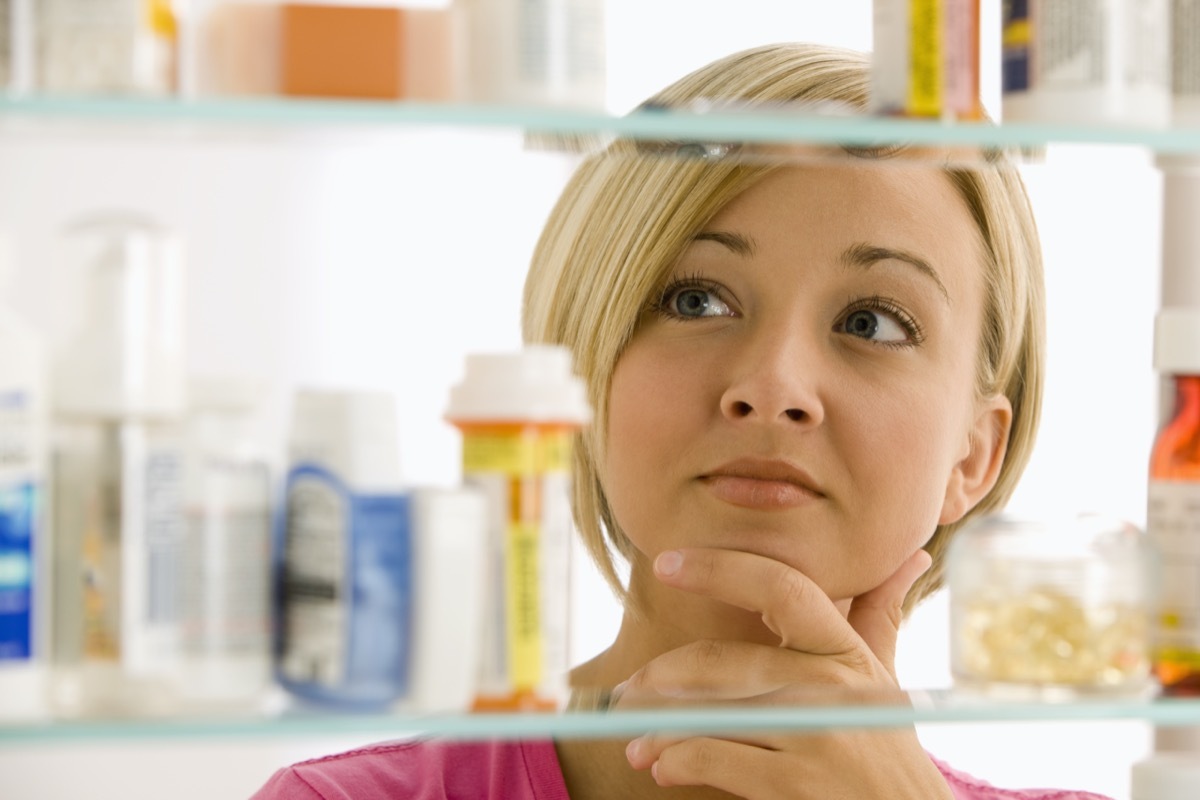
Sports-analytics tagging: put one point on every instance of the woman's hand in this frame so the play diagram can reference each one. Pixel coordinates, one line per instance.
(822, 657)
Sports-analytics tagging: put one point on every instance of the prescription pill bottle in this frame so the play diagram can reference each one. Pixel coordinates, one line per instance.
(1052, 609)
(519, 414)
(925, 62)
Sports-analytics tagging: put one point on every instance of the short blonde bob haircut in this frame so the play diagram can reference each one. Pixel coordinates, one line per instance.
(627, 214)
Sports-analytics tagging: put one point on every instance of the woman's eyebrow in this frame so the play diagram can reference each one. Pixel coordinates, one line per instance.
(736, 242)
(866, 256)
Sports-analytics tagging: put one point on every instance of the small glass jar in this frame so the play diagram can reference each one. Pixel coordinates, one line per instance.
(1052, 609)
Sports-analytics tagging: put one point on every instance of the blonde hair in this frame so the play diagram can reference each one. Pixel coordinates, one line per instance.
(627, 214)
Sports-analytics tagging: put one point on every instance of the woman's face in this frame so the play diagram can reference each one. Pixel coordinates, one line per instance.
(804, 387)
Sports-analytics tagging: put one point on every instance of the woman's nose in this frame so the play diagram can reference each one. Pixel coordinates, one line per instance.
(775, 381)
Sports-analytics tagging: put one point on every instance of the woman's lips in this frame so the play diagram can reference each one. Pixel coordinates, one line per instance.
(758, 493)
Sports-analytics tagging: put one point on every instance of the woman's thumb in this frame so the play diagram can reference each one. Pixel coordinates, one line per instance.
(876, 615)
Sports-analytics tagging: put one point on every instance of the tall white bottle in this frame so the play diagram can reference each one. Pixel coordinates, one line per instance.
(227, 570)
(23, 552)
(118, 452)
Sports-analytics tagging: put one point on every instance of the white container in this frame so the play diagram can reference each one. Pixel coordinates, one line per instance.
(24, 557)
(533, 52)
(1185, 63)
(118, 477)
(344, 554)
(1166, 776)
(449, 542)
(226, 602)
(1097, 62)
(231, 47)
(106, 46)
(1055, 609)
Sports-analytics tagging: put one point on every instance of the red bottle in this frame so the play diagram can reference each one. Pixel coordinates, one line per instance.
(1173, 514)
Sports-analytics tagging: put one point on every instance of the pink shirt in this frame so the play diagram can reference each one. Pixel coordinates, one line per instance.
(445, 770)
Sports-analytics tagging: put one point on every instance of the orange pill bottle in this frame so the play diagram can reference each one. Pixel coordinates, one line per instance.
(518, 414)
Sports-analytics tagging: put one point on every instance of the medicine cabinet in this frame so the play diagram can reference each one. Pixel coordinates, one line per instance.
(552, 138)
(564, 133)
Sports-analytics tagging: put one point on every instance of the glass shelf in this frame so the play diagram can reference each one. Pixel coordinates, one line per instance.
(582, 128)
(926, 707)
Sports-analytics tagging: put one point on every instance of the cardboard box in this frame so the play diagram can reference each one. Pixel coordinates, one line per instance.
(343, 51)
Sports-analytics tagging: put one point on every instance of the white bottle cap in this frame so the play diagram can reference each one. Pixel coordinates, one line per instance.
(351, 434)
(1166, 776)
(1177, 341)
(535, 384)
(127, 358)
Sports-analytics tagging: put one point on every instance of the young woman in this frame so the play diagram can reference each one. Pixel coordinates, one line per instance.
(810, 366)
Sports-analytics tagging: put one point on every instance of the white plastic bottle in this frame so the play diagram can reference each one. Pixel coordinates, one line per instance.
(23, 558)
(343, 554)
(90, 46)
(449, 541)
(533, 52)
(1166, 776)
(226, 553)
(119, 397)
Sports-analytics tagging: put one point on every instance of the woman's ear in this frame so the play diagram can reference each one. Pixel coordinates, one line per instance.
(976, 473)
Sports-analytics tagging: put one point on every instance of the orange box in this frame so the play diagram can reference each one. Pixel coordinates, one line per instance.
(343, 51)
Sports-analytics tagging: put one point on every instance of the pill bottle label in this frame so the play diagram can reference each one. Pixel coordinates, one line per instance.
(346, 591)
(226, 609)
(313, 623)
(524, 471)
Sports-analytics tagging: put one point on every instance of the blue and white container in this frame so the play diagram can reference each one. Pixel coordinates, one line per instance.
(1089, 62)
(23, 556)
(343, 586)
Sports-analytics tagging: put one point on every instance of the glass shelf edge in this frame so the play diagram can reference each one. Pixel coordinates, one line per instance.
(749, 126)
(600, 725)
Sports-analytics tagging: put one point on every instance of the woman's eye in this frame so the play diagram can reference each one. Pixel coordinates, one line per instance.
(693, 302)
(876, 326)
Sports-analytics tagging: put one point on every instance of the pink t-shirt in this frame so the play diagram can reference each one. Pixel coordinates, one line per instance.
(445, 770)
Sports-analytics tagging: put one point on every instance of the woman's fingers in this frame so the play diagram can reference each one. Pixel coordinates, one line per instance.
(792, 606)
(712, 671)
(830, 764)
(742, 769)
(876, 615)
(645, 750)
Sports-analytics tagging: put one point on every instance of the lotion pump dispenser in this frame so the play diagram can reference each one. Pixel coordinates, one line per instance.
(118, 489)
